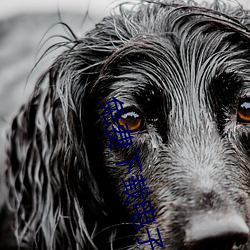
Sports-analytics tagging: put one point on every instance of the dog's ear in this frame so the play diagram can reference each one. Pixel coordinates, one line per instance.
(52, 190)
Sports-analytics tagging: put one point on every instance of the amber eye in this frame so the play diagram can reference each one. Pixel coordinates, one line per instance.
(133, 120)
(243, 113)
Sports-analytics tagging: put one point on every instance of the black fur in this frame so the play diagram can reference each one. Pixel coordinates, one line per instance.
(184, 69)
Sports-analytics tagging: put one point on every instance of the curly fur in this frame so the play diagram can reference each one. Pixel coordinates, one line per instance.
(184, 66)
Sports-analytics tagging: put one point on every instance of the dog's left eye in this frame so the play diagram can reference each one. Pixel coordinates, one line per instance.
(134, 121)
(243, 113)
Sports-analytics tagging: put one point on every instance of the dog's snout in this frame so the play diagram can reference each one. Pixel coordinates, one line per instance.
(223, 232)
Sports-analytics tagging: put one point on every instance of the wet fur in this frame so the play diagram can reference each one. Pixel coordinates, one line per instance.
(184, 68)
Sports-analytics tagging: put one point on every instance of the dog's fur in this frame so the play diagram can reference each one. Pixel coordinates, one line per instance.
(184, 69)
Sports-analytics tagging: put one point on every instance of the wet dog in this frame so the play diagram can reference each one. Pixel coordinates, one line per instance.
(182, 72)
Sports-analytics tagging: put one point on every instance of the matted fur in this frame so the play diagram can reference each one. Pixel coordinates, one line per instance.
(184, 67)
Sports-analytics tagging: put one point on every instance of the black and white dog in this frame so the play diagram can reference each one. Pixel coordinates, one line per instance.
(182, 73)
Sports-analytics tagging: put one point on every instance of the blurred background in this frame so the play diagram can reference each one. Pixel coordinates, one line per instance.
(25, 26)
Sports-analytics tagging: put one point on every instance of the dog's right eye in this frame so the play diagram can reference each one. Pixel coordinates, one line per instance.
(243, 113)
(134, 121)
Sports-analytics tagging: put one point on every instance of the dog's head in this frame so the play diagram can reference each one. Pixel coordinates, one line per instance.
(183, 75)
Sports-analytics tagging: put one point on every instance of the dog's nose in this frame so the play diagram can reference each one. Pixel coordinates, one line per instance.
(217, 232)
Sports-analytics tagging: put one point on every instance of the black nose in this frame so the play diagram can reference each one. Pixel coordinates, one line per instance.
(216, 232)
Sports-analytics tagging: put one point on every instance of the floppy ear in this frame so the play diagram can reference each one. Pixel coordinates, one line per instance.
(52, 190)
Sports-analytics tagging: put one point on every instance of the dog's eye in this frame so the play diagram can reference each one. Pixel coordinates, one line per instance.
(133, 120)
(243, 113)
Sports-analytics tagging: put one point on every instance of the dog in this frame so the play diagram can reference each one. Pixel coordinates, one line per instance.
(181, 75)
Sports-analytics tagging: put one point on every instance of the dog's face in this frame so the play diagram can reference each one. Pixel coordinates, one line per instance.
(185, 85)
(183, 75)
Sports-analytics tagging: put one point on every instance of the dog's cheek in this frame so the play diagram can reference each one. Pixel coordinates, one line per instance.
(243, 140)
(170, 214)
(147, 150)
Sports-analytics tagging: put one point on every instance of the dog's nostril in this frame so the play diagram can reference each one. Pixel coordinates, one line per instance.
(223, 242)
(213, 232)
(241, 241)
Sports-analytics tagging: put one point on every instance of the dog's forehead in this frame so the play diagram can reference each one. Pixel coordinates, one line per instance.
(188, 66)
(187, 52)
(187, 62)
